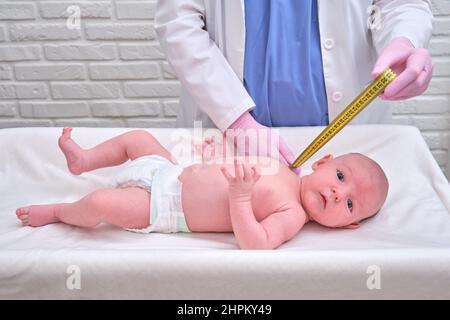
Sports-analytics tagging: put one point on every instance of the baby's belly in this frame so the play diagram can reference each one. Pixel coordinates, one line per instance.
(205, 199)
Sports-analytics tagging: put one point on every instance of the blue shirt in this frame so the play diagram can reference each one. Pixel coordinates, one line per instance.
(283, 63)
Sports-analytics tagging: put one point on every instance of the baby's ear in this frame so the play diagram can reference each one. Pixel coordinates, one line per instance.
(352, 226)
(321, 161)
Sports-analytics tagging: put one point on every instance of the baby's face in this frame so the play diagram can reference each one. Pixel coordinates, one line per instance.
(343, 191)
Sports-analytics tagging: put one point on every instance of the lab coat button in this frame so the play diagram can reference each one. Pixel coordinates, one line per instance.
(337, 96)
(328, 43)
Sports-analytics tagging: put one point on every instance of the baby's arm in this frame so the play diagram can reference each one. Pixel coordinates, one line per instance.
(270, 233)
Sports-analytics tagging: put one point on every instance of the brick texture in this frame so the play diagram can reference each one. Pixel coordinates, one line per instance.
(108, 70)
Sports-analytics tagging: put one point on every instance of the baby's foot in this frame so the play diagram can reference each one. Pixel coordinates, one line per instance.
(37, 216)
(72, 151)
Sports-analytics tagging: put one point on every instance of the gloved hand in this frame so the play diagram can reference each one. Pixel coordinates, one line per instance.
(413, 67)
(247, 125)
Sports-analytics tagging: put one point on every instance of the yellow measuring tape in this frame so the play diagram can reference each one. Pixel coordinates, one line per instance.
(355, 107)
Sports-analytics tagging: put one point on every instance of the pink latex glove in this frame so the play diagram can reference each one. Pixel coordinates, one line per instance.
(413, 67)
(247, 122)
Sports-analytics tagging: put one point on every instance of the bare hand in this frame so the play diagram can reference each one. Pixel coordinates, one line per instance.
(211, 150)
(245, 177)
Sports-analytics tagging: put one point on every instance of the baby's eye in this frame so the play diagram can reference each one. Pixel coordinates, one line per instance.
(350, 204)
(340, 175)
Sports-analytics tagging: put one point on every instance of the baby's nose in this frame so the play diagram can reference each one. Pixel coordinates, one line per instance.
(337, 194)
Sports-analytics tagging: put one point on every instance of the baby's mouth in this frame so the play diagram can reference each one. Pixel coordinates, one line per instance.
(324, 199)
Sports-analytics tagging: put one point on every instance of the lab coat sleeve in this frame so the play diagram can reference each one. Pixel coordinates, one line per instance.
(198, 63)
(402, 18)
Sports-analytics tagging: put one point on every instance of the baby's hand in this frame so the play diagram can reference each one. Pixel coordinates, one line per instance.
(206, 149)
(241, 185)
(210, 150)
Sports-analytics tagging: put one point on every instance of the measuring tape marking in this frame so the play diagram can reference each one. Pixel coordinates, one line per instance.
(355, 107)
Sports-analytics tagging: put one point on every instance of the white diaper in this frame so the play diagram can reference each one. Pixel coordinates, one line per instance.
(160, 177)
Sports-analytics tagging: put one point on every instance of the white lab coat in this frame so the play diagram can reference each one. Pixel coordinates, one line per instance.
(204, 42)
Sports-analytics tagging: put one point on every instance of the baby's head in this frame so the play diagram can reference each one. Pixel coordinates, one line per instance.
(343, 191)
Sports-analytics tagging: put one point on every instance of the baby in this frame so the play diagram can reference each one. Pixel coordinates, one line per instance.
(155, 194)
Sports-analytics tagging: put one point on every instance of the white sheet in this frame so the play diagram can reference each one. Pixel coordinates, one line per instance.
(407, 243)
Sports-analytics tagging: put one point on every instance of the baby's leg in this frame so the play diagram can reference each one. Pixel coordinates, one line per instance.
(115, 151)
(126, 208)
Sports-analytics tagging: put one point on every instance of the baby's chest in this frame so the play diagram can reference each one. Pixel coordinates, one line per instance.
(267, 199)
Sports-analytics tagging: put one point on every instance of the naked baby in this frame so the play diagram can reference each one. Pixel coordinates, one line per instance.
(153, 193)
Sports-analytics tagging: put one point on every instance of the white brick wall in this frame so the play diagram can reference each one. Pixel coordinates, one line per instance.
(111, 71)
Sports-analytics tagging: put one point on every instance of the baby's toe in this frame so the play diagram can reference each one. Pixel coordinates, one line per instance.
(66, 131)
(24, 219)
(22, 211)
(65, 135)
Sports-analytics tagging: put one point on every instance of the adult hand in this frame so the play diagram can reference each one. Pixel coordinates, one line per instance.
(273, 144)
(413, 67)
